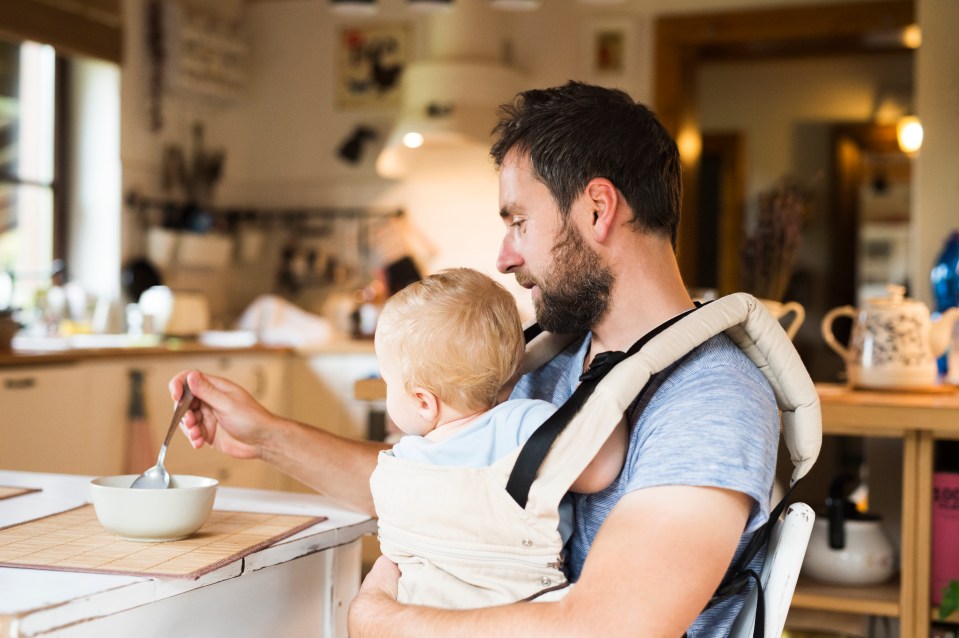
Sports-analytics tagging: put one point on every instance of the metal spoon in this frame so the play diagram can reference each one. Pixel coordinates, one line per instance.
(157, 478)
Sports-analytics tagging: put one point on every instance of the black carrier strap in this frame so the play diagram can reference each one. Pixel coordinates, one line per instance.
(534, 452)
(739, 575)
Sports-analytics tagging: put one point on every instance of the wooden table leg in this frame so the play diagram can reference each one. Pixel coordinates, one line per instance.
(908, 551)
(925, 456)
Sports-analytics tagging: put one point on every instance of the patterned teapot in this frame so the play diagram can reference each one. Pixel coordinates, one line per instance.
(894, 343)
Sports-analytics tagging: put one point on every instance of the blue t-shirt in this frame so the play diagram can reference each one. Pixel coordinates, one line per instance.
(711, 420)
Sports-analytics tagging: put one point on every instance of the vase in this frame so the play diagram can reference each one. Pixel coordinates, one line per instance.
(8, 328)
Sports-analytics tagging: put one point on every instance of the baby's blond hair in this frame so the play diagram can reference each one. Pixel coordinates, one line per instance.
(459, 336)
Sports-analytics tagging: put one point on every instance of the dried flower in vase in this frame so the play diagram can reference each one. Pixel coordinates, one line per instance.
(769, 253)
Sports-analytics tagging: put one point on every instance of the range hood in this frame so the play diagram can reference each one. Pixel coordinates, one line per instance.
(449, 101)
(449, 110)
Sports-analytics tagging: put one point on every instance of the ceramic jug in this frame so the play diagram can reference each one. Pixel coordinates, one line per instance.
(894, 342)
(846, 546)
(790, 313)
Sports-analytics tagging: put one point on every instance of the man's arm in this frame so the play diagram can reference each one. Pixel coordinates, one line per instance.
(226, 417)
(655, 563)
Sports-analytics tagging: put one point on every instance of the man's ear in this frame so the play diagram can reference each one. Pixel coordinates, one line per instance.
(604, 199)
(427, 404)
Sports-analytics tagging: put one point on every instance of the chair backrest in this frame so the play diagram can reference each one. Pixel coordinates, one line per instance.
(784, 556)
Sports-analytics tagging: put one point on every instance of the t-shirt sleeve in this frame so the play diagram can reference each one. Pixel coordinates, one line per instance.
(715, 426)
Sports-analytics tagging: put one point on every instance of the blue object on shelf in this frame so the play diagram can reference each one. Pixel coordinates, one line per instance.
(944, 277)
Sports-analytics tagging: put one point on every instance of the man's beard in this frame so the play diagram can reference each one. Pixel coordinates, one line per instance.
(575, 289)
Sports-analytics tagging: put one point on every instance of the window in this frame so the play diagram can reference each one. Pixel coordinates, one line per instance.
(59, 186)
(27, 185)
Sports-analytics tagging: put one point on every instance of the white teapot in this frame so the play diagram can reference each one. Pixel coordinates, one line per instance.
(894, 343)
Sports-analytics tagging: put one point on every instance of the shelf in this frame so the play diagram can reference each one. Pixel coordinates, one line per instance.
(953, 618)
(889, 414)
(878, 600)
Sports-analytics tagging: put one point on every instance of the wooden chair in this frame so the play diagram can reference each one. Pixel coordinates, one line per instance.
(784, 557)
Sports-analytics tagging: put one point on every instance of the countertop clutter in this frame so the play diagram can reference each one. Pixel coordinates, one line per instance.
(297, 585)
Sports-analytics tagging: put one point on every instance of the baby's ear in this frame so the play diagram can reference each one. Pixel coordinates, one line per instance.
(507, 388)
(427, 404)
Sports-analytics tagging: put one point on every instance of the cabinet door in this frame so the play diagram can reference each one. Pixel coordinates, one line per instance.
(108, 403)
(322, 392)
(262, 375)
(44, 424)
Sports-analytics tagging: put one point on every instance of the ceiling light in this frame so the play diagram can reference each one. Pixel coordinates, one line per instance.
(515, 5)
(912, 36)
(413, 139)
(431, 6)
(449, 110)
(353, 7)
(909, 134)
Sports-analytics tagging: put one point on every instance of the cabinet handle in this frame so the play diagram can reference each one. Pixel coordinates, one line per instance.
(260, 390)
(24, 383)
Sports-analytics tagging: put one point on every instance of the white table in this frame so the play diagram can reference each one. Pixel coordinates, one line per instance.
(300, 586)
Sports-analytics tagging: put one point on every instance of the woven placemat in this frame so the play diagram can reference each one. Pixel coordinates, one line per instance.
(75, 541)
(10, 492)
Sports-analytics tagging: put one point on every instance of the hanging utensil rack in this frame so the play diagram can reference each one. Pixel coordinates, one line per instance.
(231, 215)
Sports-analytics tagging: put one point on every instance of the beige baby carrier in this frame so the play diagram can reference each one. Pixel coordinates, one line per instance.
(474, 537)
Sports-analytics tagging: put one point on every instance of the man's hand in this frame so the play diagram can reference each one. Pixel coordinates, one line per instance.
(223, 415)
(376, 600)
(226, 417)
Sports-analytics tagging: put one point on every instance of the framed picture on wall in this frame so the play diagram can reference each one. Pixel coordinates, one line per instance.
(610, 48)
(372, 60)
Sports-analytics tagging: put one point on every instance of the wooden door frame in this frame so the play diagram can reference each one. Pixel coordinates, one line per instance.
(850, 142)
(730, 147)
(683, 42)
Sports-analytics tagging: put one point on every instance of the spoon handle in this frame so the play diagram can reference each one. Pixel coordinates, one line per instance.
(181, 408)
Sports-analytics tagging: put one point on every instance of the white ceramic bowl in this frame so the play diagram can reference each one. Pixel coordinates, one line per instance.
(153, 515)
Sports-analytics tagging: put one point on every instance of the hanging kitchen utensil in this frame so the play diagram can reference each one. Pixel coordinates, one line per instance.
(140, 452)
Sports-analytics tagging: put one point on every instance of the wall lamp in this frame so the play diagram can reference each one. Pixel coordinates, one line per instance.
(909, 134)
(351, 149)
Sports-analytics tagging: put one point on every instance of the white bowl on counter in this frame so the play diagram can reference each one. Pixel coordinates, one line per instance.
(153, 515)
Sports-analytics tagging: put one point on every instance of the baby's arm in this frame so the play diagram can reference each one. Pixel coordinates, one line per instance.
(606, 465)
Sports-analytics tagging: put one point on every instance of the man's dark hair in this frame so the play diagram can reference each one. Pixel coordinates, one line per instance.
(576, 132)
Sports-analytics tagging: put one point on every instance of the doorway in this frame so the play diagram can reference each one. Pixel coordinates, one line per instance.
(803, 38)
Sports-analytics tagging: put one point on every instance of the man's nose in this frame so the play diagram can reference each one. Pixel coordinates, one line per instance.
(508, 259)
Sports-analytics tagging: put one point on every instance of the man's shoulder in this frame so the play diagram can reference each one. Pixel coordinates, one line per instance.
(717, 358)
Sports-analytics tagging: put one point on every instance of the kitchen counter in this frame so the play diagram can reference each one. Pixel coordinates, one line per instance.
(172, 347)
(168, 347)
(301, 585)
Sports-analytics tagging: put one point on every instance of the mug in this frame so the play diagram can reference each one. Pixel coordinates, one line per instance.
(779, 309)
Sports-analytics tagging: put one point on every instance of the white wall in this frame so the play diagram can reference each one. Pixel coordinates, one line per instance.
(936, 193)
(282, 134)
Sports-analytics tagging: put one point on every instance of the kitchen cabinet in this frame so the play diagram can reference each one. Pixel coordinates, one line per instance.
(263, 375)
(72, 417)
(45, 421)
(322, 391)
(918, 419)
